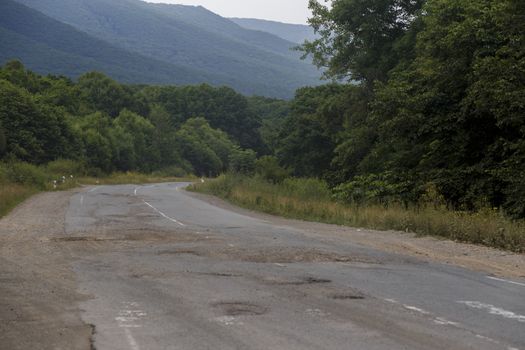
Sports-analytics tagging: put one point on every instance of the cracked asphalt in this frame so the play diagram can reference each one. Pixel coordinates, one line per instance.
(155, 267)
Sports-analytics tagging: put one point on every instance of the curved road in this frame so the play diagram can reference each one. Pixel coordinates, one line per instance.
(162, 269)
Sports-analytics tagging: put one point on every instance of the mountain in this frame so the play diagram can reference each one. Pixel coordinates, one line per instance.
(252, 62)
(51, 47)
(296, 33)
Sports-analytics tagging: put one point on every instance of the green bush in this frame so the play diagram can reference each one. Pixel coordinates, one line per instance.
(242, 161)
(27, 174)
(65, 167)
(305, 188)
(172, 171)
(269, 169)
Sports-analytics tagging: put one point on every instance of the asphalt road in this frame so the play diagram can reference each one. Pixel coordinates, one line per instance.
(163, 269)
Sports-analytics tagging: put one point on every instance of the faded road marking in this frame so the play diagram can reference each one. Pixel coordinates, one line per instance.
(493, 310)
(132, 342)
(506, 281)
(164, 215)
(128, 318)
(94, 189)
(416, 309)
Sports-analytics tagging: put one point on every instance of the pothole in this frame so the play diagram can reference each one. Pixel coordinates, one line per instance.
(297, 281)
(218, 274)
(135, 236)
(282, 255)
(240, 309)
(179, 252)
(348, 296)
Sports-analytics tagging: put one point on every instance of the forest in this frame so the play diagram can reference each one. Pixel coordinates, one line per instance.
(425, 104)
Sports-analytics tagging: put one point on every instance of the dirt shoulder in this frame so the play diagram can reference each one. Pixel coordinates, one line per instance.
(37, 287)
(479, 258)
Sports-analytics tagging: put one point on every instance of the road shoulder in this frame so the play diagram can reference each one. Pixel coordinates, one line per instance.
(38, 307)
(479, 258)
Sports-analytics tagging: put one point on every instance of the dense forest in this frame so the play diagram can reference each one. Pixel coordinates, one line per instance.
(113, 127)
(428, 105)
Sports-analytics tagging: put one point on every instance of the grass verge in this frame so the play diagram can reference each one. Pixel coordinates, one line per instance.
(311, 200)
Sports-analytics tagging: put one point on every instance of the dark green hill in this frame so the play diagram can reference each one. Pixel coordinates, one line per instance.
(49, 46)
(296, 33)
(193, 37)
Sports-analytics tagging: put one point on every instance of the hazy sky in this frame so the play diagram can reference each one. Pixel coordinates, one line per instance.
(290, 11)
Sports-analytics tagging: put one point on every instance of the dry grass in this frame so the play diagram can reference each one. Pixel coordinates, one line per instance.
(13, 194)
(487, 227)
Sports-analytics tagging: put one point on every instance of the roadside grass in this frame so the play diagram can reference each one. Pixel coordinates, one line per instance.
(311, 200)
(19, 181)
(13, 194)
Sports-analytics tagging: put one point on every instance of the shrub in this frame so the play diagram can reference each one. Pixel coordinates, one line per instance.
(269, 169)
(242, 161)
(26, 174)
(66, 167)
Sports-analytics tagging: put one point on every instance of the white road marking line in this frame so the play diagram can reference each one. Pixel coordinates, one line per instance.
(164, 215)
(127, 319)
(506, 281)
(81, 200)
(94, 189)
(493, 310)
(136, 189)
(416, 309)
(444, 322)
(228, 321)
(437, 320)
(132, 342)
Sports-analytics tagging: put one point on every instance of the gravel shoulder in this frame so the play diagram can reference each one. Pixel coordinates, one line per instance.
(479, 258)
(38, 304)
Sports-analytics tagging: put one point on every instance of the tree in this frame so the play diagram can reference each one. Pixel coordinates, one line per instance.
(242, 161)
(141, 132)
(34, 132)
(453, 117)
(208, 150)
(3, 141)
(362, 40)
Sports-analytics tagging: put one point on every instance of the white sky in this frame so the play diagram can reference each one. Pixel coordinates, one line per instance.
(288, 11)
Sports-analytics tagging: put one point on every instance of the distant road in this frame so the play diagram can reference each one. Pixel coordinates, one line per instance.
(154, 267)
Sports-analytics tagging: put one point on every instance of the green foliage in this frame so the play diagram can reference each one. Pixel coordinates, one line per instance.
(242, 161)
(362, 40)
(26, 174)
(34, 132)
(368, 189)
(223, 108)
(268, 168)
(65, 167)
(206, 149)
(3, 141)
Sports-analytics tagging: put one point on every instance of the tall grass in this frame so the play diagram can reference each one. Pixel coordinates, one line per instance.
(311, 200)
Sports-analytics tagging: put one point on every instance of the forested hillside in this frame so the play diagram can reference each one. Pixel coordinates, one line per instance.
(49, 46)
(220, 51)
(296, 33)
